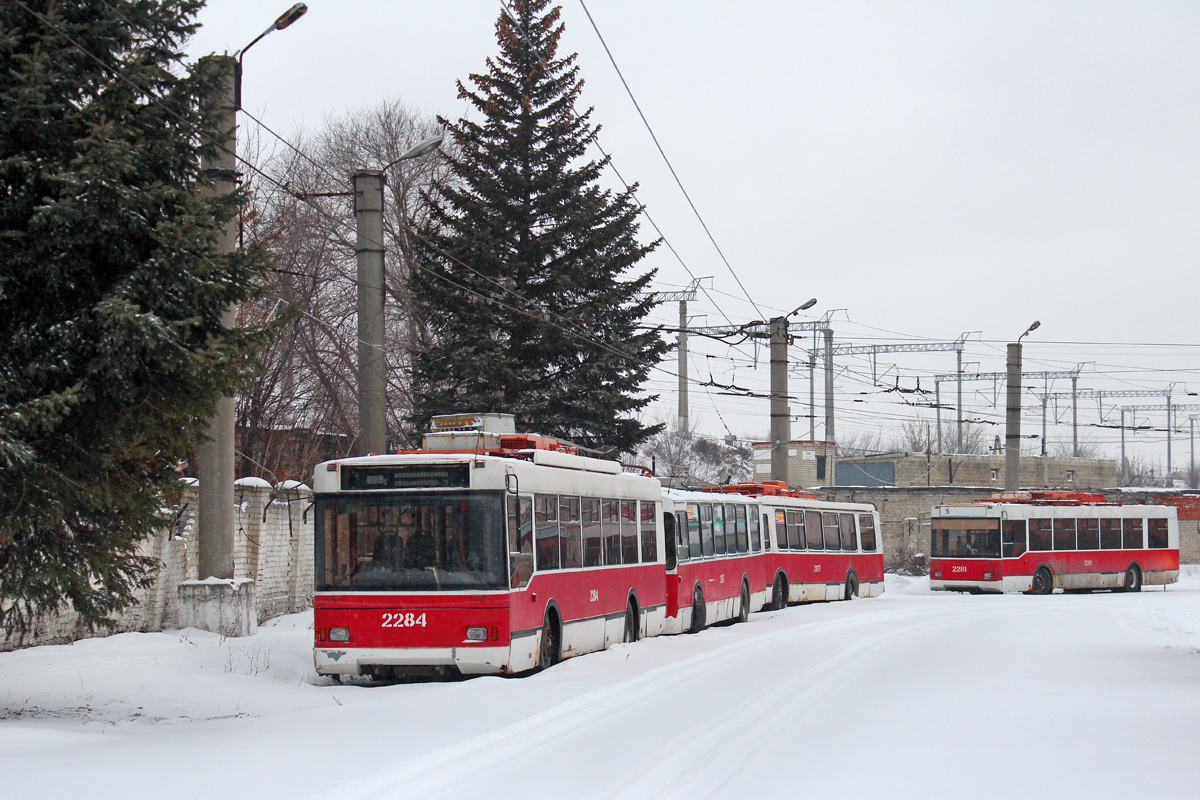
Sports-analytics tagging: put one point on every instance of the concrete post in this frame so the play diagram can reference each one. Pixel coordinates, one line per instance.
(781, 425)
(1012, 428)
(937, 410)
(1045, 460)
(1170, 426)
(830, 434)
(372, 366)
(683, 366)
(1074, 417)
(812, 394)
(1124, 464)
(215, 467)
(958, 401)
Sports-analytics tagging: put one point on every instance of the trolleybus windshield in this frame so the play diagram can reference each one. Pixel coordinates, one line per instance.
(426, 541)
(965, 538)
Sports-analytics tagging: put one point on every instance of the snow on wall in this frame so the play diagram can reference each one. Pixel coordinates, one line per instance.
(273, 544)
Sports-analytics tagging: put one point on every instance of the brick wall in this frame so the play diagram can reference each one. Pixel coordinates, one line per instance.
(273, 529)
(920, 469)
(802, 462)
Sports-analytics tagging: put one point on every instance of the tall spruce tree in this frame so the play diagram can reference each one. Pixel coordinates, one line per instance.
(111, 347)
(524, 273)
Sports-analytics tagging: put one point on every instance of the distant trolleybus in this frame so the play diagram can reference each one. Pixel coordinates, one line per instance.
(1038, 541)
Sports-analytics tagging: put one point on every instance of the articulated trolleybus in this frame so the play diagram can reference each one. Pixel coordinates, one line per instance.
(492, 552)
(1036, 541)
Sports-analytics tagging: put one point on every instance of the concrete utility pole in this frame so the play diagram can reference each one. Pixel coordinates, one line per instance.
(1124, 463)
(372, 365)
(215, 469)
(1075, 417)
(812, 391)
(958, 401)
(830, 435)
(1012, 429)
(781, 421)
(683, 297)
(367, 188)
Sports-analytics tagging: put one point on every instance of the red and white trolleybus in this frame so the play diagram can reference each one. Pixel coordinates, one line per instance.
(483, 553)
(757, 545)
(1037, 541)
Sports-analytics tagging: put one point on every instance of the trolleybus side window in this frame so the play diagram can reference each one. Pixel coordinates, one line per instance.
(1014, 538)
(570, 533)
(545, 521)
(795, 530)
(755, 536)
(866, 531)
(781, 537)
(520, 541)
(1131, 534)
(629, 532)
(593, 538)
(812, 527)
(847, 524)
(1156, 532)
(706, 528)
(829, 521)
(682, 550)
(1064, 534)
(649, 533)
(719, 529)
(1089, 534)
(766, 532)
(610, 523)
(1039, 535)
(743, 542)
(693, 530)
(1110, 534)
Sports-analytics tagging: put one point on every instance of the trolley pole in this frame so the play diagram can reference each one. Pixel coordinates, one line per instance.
(372, 365)
(781, 426)
(215, 467)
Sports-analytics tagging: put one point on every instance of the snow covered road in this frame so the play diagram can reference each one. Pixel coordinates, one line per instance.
(913, 694)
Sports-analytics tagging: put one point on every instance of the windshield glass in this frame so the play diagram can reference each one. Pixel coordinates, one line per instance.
(427, 541)
(966, 538)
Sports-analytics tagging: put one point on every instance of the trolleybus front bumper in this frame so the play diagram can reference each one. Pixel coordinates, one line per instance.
(1009, 583)
(358, 660)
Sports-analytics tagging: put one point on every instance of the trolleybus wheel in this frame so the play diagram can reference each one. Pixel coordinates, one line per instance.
(631, 623)
(550, 652)
(744, 612)
(851, 586)
(779, 599)
(1133, 579)
(1043, 582)
(697, 611)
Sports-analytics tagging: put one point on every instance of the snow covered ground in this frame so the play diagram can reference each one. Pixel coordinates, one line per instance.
(914, 694)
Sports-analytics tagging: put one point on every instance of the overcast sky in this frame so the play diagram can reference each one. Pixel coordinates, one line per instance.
(932, 168)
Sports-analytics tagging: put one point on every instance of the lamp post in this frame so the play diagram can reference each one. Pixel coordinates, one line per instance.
(1012, 428)
(215, 467)
(367, 186)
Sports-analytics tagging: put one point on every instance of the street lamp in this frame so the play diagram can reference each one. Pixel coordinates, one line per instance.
(284, 20)
(367, 188)
(1012, 427)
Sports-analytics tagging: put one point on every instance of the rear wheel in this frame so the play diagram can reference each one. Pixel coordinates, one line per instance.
(779, 594)
(851, 587)
(550, 652)
(1133, 579)
(1043, 582)
(744, 612)
(631, 623)
(697, 611)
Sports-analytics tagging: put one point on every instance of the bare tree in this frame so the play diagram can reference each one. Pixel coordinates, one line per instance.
(682, 453)
(303, 408)
(1088, 448)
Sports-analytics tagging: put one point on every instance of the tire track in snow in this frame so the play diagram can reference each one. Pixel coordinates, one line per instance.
(438, 772)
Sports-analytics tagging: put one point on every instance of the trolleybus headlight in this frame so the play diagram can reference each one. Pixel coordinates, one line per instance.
(339, 634)
(987, 576)
(937, 574)
(477, 634)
